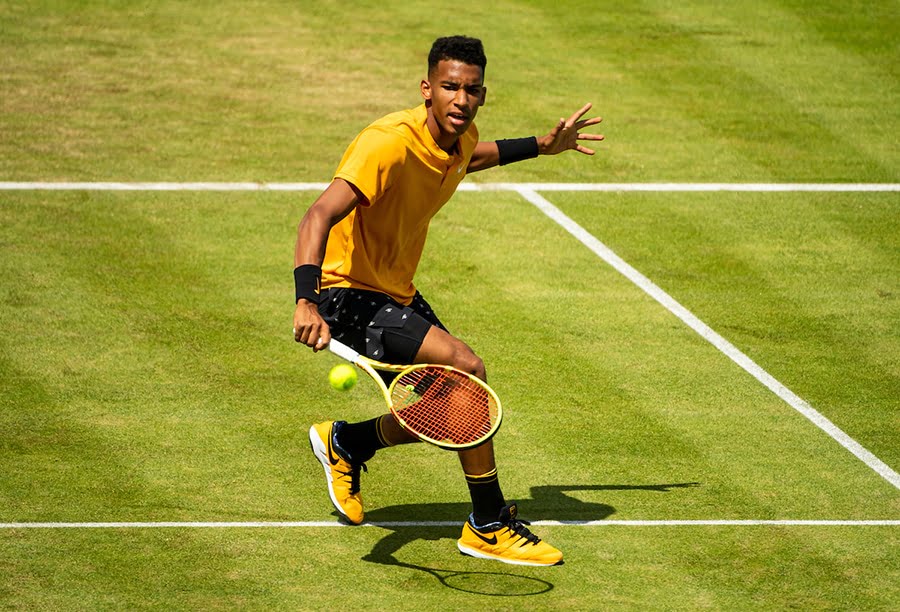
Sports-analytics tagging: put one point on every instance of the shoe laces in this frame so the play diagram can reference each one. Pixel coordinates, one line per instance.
(345, 457)
(353, 473)
(517, 526)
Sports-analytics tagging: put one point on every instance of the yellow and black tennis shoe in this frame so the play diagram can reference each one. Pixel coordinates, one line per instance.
(341, 476)
(507, 540)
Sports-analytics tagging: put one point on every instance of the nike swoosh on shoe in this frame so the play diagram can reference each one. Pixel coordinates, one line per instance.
(331, 455)
(492, 540)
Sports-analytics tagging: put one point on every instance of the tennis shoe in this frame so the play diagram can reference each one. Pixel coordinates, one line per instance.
(341, 476)
(507, 540)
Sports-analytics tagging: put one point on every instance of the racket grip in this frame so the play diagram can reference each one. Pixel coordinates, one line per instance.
(343, 351)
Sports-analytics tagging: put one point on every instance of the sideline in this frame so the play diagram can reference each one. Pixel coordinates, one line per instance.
(708, 334)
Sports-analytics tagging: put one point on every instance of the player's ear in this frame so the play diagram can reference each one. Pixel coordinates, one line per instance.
(483, 96)
(425, 87)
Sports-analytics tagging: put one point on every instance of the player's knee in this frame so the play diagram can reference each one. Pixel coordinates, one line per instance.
(441, 347)
(467, 361)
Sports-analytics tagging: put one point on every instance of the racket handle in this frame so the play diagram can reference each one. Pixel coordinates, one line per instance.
(343, 351)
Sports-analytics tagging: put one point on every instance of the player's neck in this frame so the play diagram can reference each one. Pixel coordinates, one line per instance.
(445, 141)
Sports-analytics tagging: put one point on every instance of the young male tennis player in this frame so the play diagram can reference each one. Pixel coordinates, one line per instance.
(357, 250)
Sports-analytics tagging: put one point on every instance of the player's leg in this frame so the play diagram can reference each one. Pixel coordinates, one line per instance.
(478, 463)
(394, 334)
(493, 530)
(374, 325)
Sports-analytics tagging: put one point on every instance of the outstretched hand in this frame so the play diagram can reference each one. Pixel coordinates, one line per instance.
(566, 134)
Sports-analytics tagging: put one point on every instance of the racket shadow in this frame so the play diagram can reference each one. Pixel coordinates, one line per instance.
(548, 502)
(497, 583)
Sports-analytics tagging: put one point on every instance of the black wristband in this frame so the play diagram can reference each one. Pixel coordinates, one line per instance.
(308, 282)
(517, 149)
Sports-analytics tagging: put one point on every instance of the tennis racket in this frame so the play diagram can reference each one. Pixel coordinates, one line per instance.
(436, 403)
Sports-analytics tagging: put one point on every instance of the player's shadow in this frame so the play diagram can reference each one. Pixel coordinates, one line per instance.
(548, 503)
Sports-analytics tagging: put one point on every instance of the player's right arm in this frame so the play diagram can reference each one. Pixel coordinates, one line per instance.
(335, 203)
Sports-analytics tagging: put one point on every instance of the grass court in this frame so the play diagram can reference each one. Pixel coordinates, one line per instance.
(154, 408)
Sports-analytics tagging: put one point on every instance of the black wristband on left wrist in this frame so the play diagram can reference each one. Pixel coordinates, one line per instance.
(517, 149)
(307, 282)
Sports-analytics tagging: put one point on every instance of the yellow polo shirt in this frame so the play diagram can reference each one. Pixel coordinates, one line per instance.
(406, 178)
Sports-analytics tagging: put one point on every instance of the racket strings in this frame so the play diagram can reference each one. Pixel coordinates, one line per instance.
(444, 405)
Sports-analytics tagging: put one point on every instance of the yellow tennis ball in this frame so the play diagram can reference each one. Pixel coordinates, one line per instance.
(342, 377)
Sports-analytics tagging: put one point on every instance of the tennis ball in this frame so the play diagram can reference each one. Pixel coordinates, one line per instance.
(342, 377)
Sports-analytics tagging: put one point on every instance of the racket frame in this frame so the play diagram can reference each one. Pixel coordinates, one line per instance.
(370, 367)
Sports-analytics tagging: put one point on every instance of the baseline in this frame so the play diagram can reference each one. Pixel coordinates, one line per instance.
(465, 186)
(399, 524)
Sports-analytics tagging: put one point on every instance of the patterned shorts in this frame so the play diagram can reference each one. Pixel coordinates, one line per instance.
(376, 325)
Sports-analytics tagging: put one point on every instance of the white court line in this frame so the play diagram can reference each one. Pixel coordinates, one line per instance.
(801, 406)
(107, 186)
(402, 524)
(690, 187)
(465, 186)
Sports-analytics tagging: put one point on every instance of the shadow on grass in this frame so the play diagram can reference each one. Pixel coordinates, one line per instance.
(546, 503)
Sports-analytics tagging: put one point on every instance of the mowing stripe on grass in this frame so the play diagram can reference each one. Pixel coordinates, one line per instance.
(645, 284)
(466, 186)
(529, 192)
(399, 524)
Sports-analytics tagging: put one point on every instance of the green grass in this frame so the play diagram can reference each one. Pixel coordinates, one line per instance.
(711, 568)
(147, 372)
(789, 278)
(272, 91)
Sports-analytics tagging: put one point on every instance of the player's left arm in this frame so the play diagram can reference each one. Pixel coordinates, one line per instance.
(564, 136)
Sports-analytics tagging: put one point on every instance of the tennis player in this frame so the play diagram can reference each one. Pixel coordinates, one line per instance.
(357, 250)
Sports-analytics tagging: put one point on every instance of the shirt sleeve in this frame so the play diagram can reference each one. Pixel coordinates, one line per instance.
(370, 162)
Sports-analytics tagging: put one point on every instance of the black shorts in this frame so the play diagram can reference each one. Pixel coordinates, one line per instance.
(375, 325)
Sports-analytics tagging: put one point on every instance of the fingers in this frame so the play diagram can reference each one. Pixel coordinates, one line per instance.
(313, 337)
(567, 132)
(323, 341)
(309, 327)
(588, 122)
(583, 123)
(579, 124)
(301, 335)
(583, 149)
(580, 113)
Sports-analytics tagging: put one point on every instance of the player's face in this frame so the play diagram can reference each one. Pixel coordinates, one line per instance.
(455, 91)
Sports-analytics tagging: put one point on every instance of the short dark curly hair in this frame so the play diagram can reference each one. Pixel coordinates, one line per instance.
(461, 48)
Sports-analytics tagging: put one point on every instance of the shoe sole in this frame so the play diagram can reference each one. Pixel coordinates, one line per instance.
(321, 453)
(472, 552)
